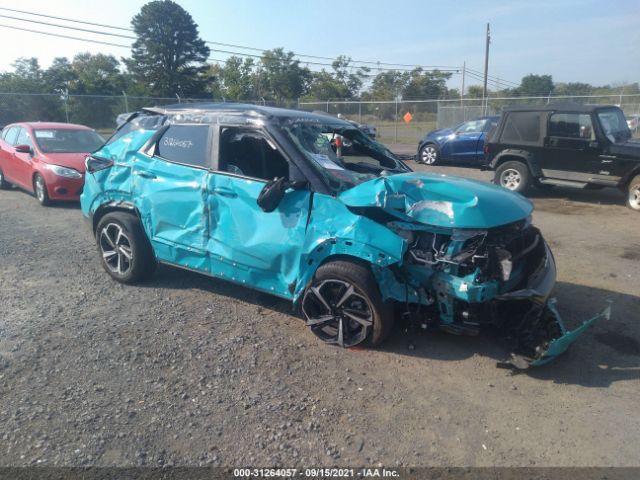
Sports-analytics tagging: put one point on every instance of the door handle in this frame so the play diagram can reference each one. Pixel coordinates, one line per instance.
(607, 161)
(225, 192)
(150, 176)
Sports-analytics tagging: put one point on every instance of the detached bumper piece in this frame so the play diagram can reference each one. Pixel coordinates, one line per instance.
(547, 338)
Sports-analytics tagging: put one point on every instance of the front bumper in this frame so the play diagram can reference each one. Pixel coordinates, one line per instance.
(543, 318)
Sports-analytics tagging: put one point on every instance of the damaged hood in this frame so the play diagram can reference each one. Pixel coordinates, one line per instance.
(440, 200)
(69, 160)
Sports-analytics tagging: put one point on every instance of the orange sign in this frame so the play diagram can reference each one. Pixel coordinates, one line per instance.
(407, 117)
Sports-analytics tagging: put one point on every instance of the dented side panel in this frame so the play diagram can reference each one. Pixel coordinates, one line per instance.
(249, 246)
(333, 230)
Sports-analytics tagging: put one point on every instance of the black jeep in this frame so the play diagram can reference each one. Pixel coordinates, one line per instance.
(583, 146)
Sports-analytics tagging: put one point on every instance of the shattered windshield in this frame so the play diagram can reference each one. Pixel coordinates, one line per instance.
(342, 154)
(614, 125)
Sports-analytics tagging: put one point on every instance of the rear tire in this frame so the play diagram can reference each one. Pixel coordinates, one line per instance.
(125, 251)
(40, 190)
(4, 185)
(343, 306)
(514, 176)
(633, 194)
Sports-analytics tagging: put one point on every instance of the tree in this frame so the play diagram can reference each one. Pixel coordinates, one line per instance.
(572, 88)
(237, 77)
(536, 86)
(27, 78)
(474, 91)
(59, 75)
(280, 77)
(168, 54)
(425, 85)
(387, 85)
(342, 82)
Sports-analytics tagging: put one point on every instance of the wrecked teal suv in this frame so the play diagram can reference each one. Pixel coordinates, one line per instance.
(267, 198)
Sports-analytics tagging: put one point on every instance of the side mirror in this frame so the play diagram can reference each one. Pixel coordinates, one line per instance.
(23, 149)
(273, 192)
(271, 195)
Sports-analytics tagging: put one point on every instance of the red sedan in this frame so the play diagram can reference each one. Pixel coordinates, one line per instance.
(46, 158)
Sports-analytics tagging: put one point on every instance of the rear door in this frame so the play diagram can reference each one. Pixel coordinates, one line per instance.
(7, 158)
(170, 189)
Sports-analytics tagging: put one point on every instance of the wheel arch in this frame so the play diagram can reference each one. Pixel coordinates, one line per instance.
(626, 180)
(518, 156)
(348, 250)
(110, 207)
(33, 181)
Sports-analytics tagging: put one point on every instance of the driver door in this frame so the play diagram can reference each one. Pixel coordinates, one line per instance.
(246, 245)
(464, 148)
(570, 152)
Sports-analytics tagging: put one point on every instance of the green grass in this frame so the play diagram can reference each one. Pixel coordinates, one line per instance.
(409, 134)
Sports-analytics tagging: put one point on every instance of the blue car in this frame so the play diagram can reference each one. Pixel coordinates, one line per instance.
(260, 197)
(461, 144)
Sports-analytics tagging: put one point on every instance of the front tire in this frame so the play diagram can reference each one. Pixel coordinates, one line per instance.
(4, 185)
(633, 194)
(124, 249)
(514, 176)
(429, 154)
(40, 190)
(343, 306)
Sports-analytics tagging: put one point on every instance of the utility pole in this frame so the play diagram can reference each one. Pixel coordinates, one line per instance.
(486, 64)
(464, 72)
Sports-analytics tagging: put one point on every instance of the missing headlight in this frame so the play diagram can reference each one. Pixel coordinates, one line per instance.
(506, 263)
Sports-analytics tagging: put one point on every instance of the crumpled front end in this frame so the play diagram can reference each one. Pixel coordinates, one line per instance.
(501, 276)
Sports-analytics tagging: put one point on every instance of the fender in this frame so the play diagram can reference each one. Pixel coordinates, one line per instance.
(624, 181)
(517, 154)
(121, 204)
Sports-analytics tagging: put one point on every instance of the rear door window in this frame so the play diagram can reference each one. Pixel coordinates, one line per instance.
(10, 135)
(571, 125)
(522, 127)
(186, 144)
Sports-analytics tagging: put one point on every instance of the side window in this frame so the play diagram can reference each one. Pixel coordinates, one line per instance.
(11, 135)
(188, 144)
(490, 125)
(522, 127)
(571, 125)
(474, 126)
(248, 152)
(24, 138)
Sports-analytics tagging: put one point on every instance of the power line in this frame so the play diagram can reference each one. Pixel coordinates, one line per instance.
(228, 52)
(64, 36)
(472, 74)
(65, 19)
(376, 64)
(66, 26)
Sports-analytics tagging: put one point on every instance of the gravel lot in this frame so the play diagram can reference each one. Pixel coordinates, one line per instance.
(186, 370)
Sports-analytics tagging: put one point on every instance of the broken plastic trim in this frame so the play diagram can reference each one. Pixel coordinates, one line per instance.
(557, 346)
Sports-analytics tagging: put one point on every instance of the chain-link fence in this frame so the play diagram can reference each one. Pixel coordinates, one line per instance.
(96, 111)
(401, 121)
(395, 126)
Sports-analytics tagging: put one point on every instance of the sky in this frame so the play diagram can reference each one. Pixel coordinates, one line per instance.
(591, 41)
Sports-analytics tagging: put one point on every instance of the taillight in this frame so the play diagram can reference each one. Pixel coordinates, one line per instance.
(94, 164)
